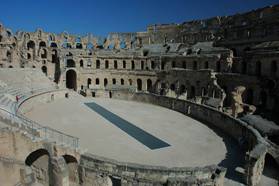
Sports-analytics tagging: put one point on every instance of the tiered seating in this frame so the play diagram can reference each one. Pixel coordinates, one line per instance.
(21, 83)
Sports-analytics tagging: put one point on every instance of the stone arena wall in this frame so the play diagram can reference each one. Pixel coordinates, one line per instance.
(31, 102)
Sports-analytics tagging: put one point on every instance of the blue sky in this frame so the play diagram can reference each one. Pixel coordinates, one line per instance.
(103, 16)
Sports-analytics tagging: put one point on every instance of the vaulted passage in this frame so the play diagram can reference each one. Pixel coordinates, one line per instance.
(71, 79)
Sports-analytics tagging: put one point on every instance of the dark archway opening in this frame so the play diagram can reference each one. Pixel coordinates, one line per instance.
(218, 66)
(263, 99)
(195, 65)
(270, 173)
(149, 85)
(139, 84)
(133, 65)
(53, 45)
(38, 161)
(244, 67)
(249, 96)
(71, 80)
(71, 63)
(258, 68)
(89, 81)
(42, 44)
(105, 82)
(32, 157)
(72, 165)
(44, 70)
(193, 92)
(44, 54)
(115, 181)
(81, 63)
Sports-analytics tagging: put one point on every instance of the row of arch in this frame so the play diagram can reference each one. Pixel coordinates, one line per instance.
(195, 65)
(40, 159)
(258, 67)
(122, 82)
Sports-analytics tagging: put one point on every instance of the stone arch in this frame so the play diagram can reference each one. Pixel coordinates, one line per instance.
(274, 67)
(249, 96)
(38, 161)
(115, 64)
(218, 66)
(97, 81)
(172, 87)
(195, 65)
(184, 64)
(9, 56)
(105, 82)
(113, 81)
(132, 64)
(173, 64)
(79, 46)
(152, 65)
(81, 63)
(234, 51)
(206, 65)
(44, 53)
(182, 89)
(71, 63)
(106, 64)
(31, 45)
(72, 165)
(97, 64)
(115, 181)
(42, 44)
(54, 56)
(124, 64)
(149, 85)
(142, 65)
(244, 67)
(53, 45)
(44, 70)
(71, 79)
(139, 84)
(193, 92)
(33, 156)
(130, 82)
(122, 81)
(89, 81)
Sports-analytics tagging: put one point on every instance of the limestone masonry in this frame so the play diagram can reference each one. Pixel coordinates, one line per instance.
(222, 71)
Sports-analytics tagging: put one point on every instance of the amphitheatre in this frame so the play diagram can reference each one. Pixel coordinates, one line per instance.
(194, 103)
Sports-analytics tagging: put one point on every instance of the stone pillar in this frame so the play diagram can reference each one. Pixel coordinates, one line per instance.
(255, 164)
(60, 174)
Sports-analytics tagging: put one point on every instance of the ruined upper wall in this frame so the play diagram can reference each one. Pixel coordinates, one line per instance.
(261, 24)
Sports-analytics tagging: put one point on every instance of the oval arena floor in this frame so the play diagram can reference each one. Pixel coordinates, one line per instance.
(135, 132)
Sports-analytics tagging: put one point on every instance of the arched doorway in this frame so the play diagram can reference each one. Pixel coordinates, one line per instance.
(44, 70)
(72, 165)
(249, 96)
(71, 79)
(244, 67)
(139, 84)
(263, 99)
(38, 161)
(71, 63)
(105, 82)
(88, 82)
(149, 85)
